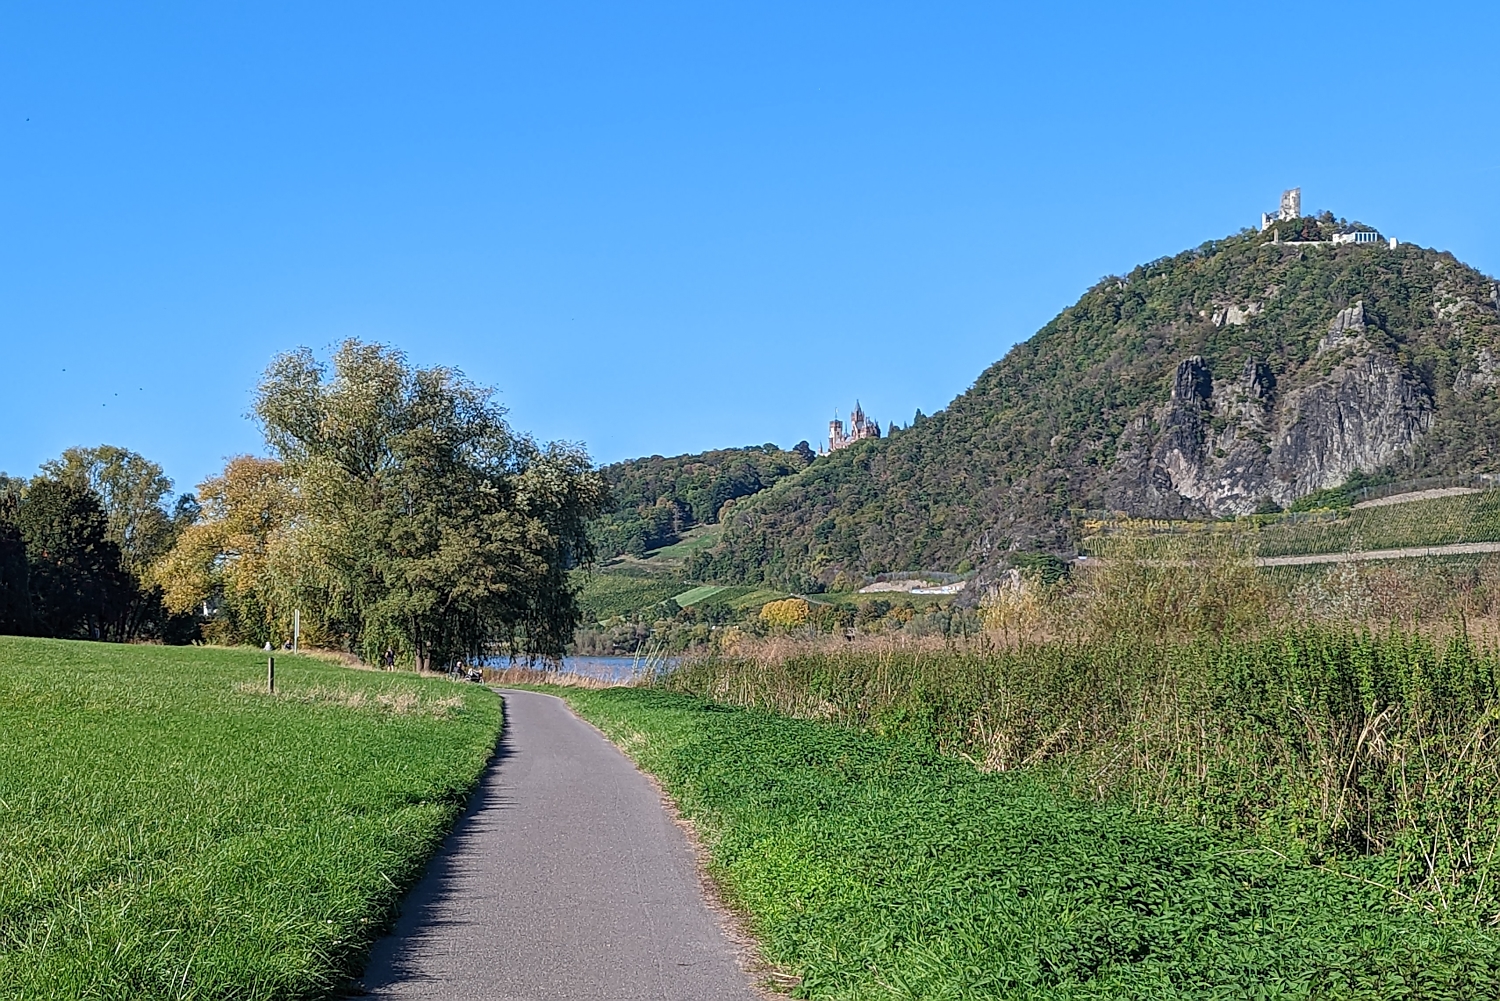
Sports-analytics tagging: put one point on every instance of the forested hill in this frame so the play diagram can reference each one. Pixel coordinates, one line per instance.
(653, 500)
(1234, 377)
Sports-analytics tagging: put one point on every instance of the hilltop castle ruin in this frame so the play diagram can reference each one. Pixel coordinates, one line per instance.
(1291, 208)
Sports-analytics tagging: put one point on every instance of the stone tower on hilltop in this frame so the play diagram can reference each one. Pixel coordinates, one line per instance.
(1291, 208)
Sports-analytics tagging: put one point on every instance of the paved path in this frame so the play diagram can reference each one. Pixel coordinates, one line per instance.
(1456, 549)
(566, 880)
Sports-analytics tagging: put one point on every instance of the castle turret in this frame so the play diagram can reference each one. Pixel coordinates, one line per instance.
(861, 426)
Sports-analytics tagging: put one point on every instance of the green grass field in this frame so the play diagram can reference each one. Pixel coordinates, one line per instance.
(740, 598)
(693, 595)
(872, 868)
(168, 830)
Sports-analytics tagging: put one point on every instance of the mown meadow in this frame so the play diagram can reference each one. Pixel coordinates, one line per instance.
(170, 830)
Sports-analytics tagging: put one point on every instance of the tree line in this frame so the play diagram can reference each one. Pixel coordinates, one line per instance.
(77, 544)
(397, 513)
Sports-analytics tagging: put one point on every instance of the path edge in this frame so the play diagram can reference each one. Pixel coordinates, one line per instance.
(767, 979)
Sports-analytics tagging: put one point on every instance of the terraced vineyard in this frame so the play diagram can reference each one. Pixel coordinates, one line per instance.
(1437, 521)
(604, 595)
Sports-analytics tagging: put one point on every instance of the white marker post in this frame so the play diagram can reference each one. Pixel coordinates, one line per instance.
(296, 628)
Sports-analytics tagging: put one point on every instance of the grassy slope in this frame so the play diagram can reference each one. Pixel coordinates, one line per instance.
(604, 595)
(169, 831)
(876, 869)
(703, 537)
(694, 595)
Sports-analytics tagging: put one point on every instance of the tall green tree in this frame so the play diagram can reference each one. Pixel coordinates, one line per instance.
(134, 493)
(77, 581)
(15, 577)
(426, 522)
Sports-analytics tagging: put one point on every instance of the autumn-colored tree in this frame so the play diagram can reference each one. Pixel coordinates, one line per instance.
(786, 614)
(228, 562)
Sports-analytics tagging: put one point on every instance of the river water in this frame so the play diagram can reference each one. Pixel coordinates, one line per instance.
(603, 668)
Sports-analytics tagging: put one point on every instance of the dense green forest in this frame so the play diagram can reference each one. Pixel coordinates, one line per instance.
(655, 499)
(1047, 430)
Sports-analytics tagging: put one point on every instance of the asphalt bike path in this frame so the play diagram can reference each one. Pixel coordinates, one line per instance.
(566, 880)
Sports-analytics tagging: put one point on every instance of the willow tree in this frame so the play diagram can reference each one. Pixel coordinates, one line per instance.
(425, 520)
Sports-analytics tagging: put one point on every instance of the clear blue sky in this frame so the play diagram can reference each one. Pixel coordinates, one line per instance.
(664, 228)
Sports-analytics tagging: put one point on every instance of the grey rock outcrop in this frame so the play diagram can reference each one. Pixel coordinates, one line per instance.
(1235, 316)
(1347, 329)
(1484, 373)
(1228, 446)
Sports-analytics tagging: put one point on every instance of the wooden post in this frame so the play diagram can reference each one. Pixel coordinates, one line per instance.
(271, 675)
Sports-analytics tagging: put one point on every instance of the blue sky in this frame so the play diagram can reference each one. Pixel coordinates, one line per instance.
(664, 228)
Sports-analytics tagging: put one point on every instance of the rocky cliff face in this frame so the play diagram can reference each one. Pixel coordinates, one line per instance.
(1227, 446)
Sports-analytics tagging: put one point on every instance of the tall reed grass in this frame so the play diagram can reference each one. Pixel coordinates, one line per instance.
(1330, 744)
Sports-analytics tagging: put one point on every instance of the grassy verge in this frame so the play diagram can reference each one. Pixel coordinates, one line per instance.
(874, 867)
(168, 830)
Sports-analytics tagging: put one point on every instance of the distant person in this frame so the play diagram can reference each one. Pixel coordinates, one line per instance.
(389, 660)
